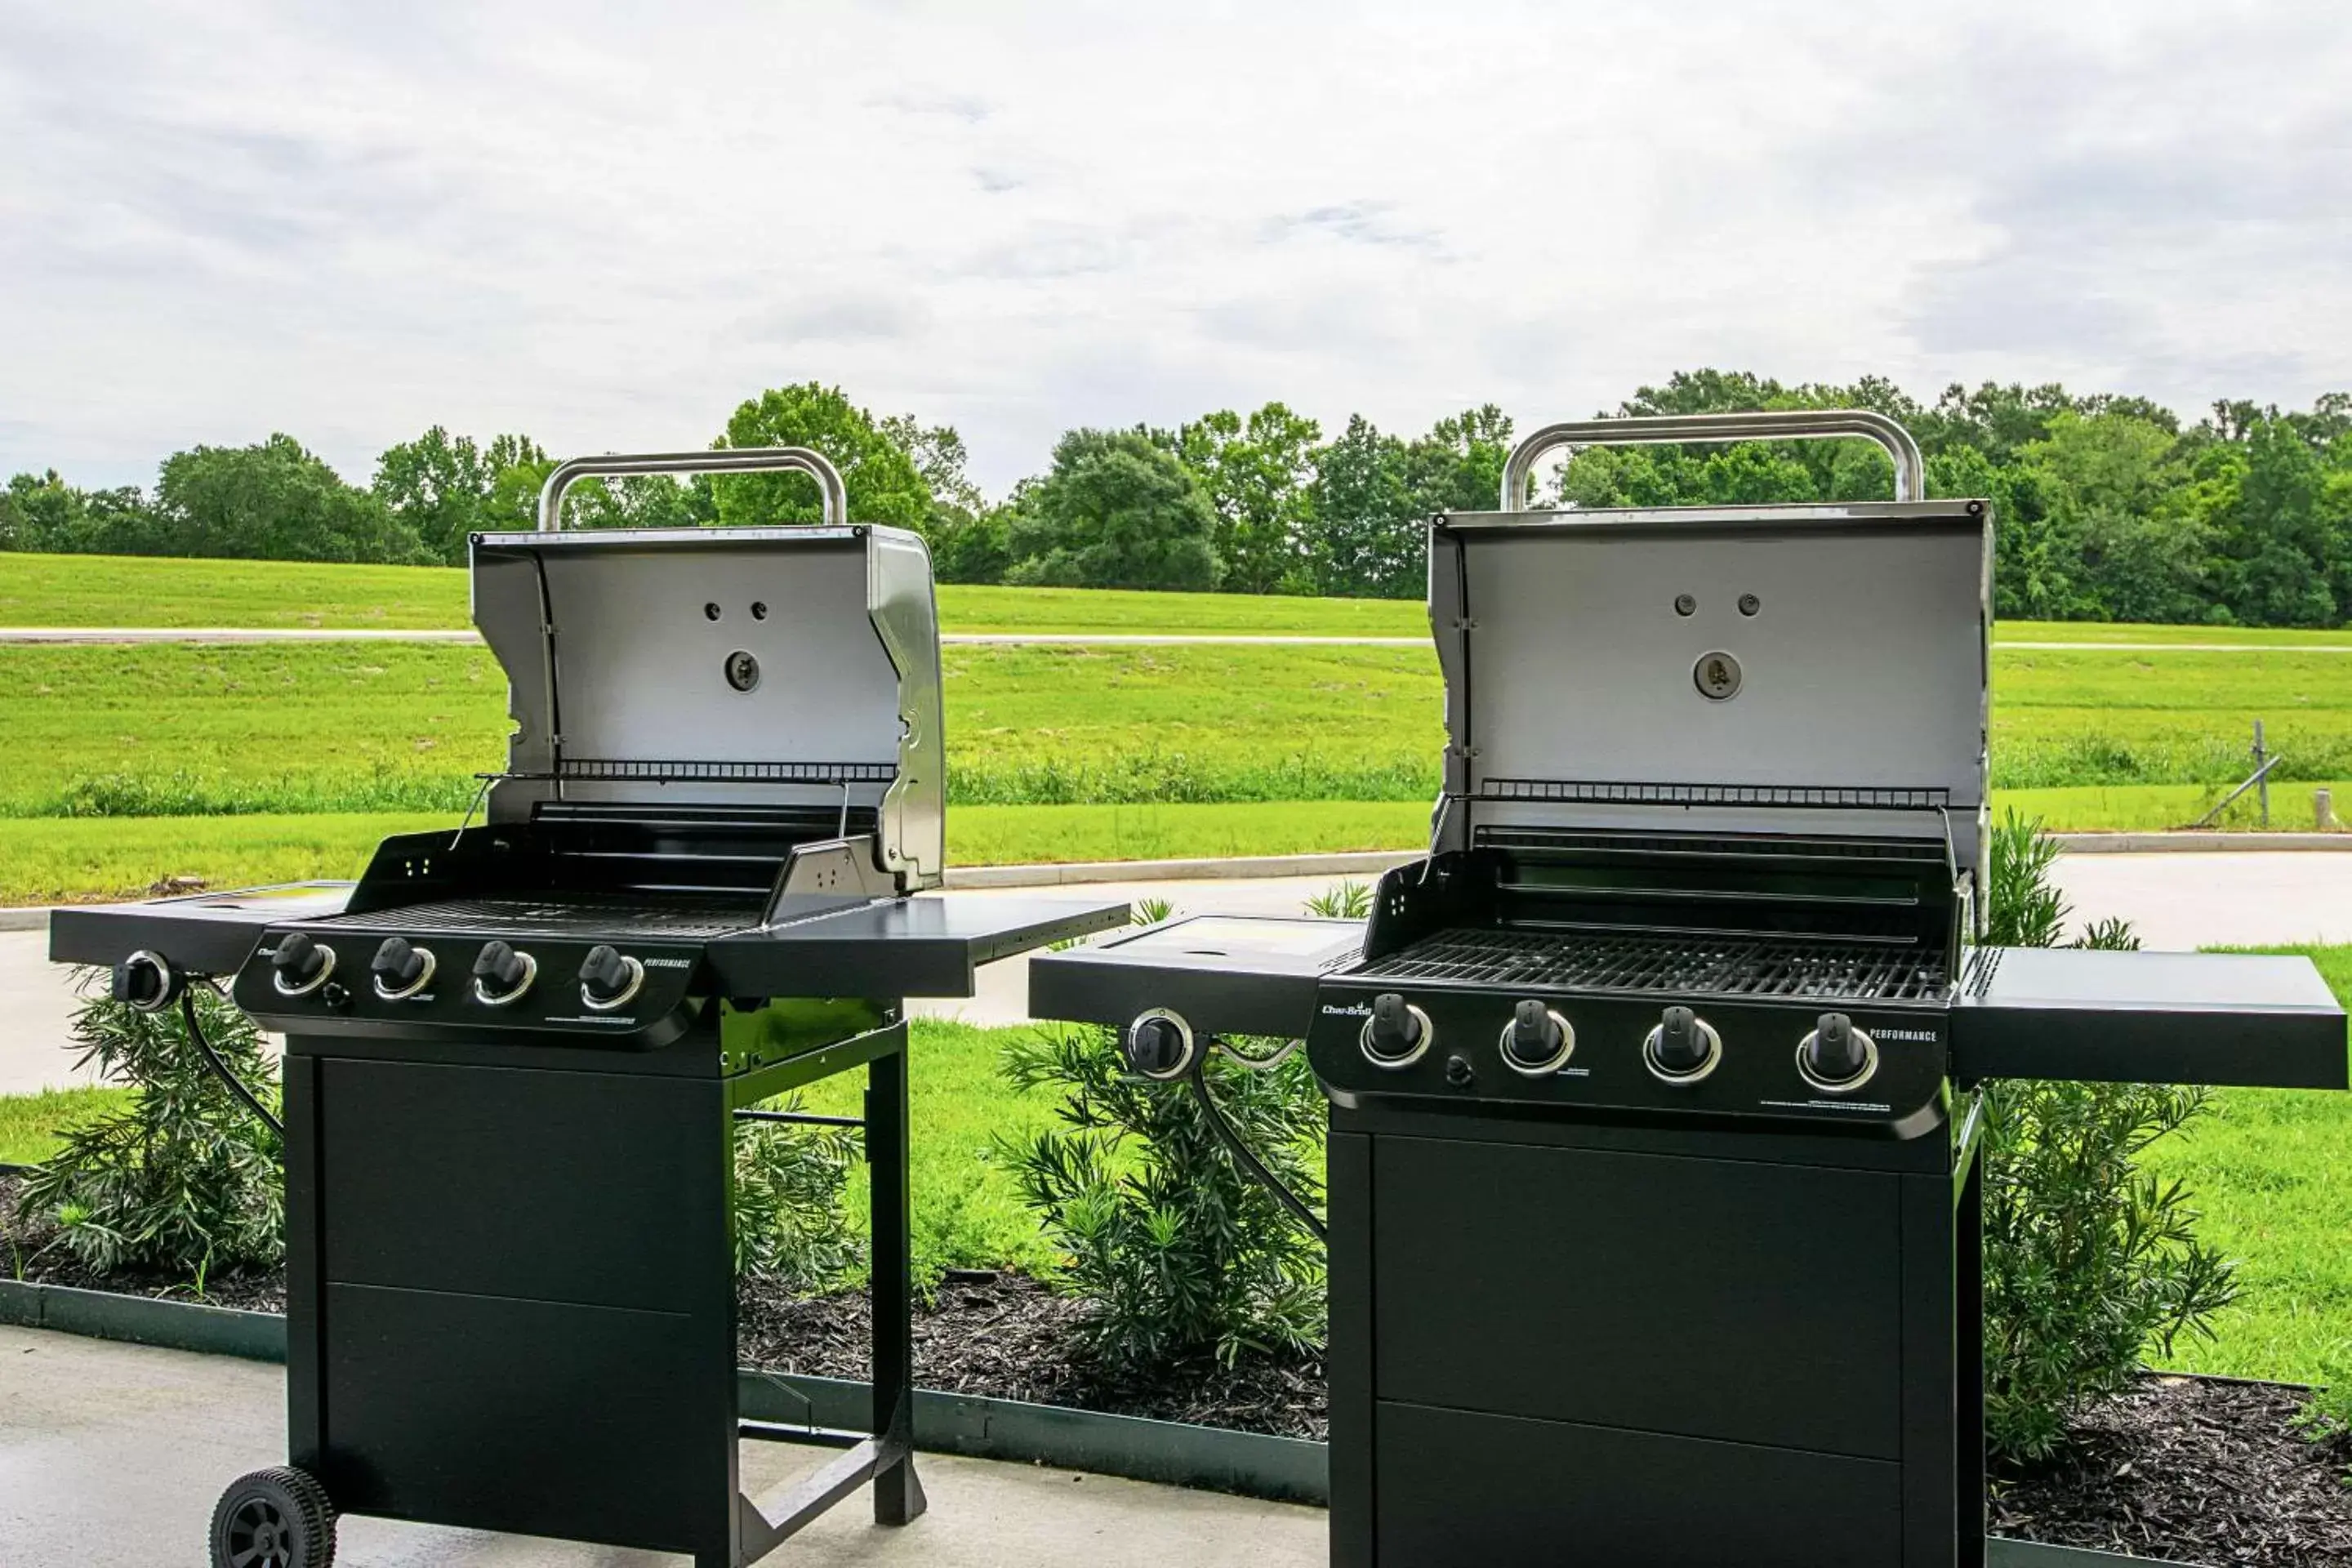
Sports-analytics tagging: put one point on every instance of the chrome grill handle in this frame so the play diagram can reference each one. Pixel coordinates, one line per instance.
(721, 461)
(1775, 424)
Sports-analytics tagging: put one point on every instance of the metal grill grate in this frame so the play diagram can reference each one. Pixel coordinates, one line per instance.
(1579, 792)
(1685, 962)
(637, 770)
(686, 921)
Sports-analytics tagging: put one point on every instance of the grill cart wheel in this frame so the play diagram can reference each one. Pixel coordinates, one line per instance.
(278, 1518)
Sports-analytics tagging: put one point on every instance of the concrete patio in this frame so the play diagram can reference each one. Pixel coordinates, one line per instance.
(111, 1455)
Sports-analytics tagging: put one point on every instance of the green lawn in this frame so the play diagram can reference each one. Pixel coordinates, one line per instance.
(134, 591)
(2267, 1171)
(31, 1123)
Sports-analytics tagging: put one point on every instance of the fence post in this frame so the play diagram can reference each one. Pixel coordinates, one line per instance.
(2260, 773)
(2323, 809)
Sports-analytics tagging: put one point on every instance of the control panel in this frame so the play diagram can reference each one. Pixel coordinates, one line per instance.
(629, 995)
(1869, 1068)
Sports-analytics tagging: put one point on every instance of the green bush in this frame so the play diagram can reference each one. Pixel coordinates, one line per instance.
(2089, 1261)
(789, 1222)
(1180, 1253)
(185, 1180)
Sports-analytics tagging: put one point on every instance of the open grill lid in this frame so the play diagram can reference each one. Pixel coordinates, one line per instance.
(1816, 668)
(674, 673)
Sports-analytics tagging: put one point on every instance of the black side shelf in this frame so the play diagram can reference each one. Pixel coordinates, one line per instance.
(2083, 1015)
(1225, 974)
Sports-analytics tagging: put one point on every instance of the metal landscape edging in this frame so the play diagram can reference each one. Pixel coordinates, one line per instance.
(1171, 1453)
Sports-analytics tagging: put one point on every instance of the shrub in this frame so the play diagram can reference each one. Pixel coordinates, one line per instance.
(184, 1179)
(1180, 1252)
(2089, 1261)
(790, 1179)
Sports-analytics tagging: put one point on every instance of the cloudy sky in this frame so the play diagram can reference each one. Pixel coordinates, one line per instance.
(604, 225)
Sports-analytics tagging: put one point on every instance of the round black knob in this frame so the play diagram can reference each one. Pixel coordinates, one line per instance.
(499, 972)
(1682, 1045)
(302, 961)
(1836, 1052)
(1534, 1042)
(1459, 1072)
(399, 963)
(1157, 1045)
(1396, 1031)
(604, 974)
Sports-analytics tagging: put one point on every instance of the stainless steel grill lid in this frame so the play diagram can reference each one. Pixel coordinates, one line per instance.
(1816, 669)
(722, 667)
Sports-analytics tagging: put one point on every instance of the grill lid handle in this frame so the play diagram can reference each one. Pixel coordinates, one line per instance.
(1778, 424)
(723, 461)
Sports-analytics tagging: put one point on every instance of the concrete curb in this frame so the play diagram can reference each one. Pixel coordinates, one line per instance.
(35, 919)
(1170, 1453)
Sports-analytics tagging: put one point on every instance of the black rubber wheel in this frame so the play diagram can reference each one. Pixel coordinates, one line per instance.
(277, 1517)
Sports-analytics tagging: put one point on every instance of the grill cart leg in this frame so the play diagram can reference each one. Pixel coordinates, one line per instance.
(898, 1494)
(886, 1459)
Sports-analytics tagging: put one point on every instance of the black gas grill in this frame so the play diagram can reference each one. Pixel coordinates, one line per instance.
(1653, 1193)
(515, 1053)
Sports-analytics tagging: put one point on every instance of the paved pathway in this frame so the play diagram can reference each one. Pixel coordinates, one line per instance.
(2177, 901)
(111, 1457)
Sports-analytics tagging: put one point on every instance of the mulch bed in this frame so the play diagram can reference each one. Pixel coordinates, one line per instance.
(25, 1253)
(1009, 1337)
(2193, 1470)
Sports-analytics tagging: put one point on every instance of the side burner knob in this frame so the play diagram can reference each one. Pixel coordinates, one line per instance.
(1684, 1048)
(303, 963)
(501, 973)
(1397, 1032)
(1538, 1041)
(1159, 1045)
(609, 977)
(1836, 1055)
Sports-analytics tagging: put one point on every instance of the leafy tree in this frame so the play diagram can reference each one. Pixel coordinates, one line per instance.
(885, 486)
(1117, 511)
(1458, 466)
(2113, 493)
(1258, 473)
(275, 502)
(43, 513)
(1368, 542)
(444, 488)
(968, 547)
(939, 455)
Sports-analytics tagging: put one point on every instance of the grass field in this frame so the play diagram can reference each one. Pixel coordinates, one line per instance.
(2267, 1172)
(31, 1123)
(129, 591)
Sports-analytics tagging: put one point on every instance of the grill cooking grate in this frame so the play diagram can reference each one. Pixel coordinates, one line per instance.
(1685, 962)
(684, 920)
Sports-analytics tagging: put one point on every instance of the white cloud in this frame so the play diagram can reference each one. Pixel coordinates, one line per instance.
(606, 226)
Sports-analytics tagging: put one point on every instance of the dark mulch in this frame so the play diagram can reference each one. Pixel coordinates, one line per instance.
(28, 1253)
(1008, 1336)
(2189, 1470)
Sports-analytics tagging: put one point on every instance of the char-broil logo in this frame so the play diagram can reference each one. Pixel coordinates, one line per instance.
(1924, 1037)
(1332, 1010)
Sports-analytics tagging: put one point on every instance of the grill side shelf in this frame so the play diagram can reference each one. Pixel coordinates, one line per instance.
(923, 946)
(2082, 1016)
(1225, 974)
(210, 933)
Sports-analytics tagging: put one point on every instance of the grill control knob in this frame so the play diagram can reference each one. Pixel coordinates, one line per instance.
(303, 963)
(1684, 1048)
(1538, 1041)
(1836, 1055)
(609, 977)
(501, 973)
(1159, 1045)
(400, 968)
(1397, 1032)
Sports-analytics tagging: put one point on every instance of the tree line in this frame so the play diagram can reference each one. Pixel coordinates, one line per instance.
(2109, 508)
